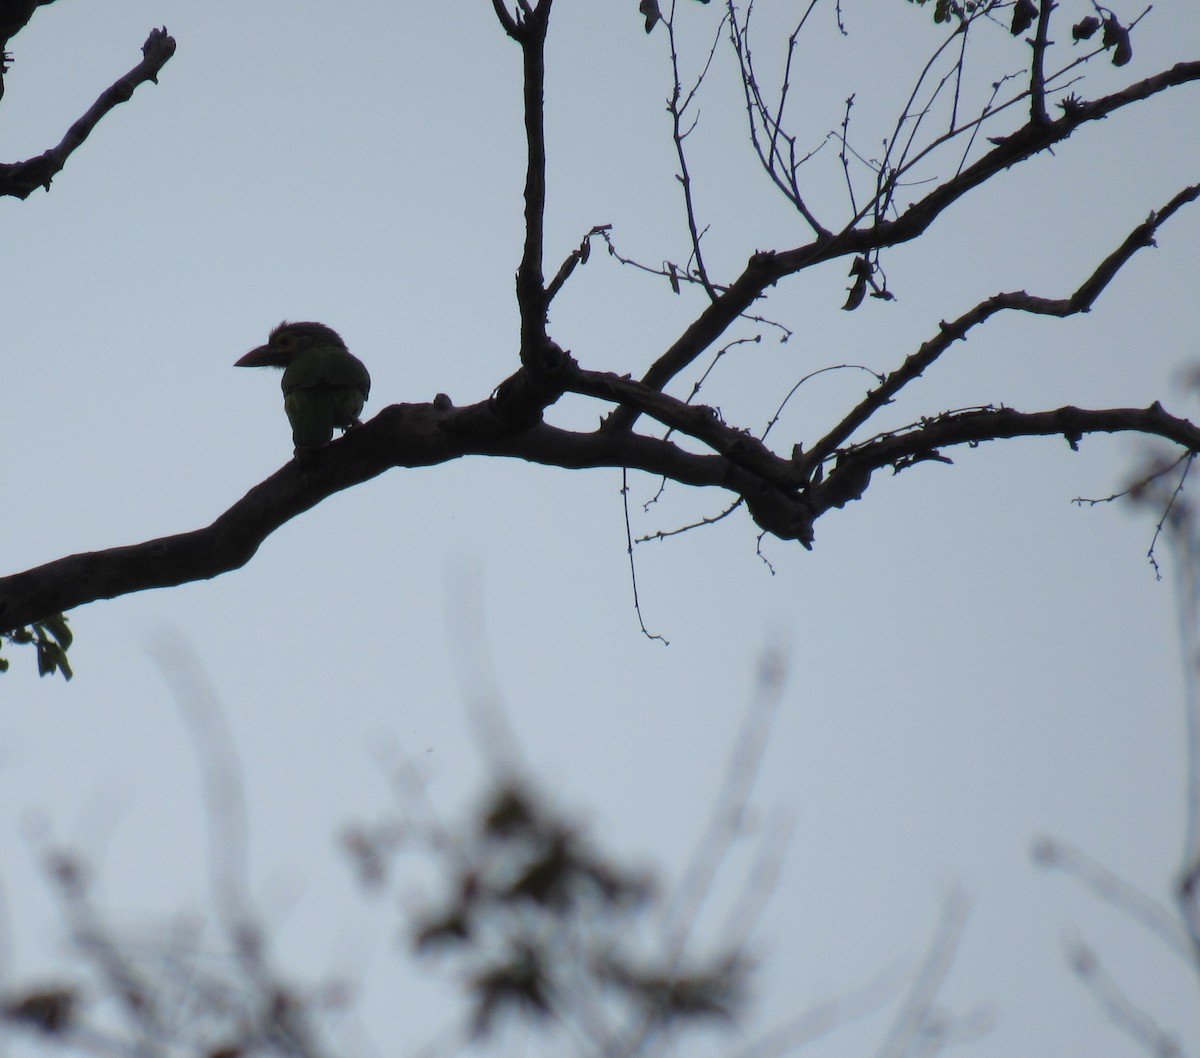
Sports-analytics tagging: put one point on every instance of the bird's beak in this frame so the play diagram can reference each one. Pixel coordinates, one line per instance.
(263, 356)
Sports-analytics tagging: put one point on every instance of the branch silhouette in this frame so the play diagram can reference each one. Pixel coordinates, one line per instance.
(21, 179)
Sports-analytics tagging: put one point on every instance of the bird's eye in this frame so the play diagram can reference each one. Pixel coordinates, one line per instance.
(286, 342)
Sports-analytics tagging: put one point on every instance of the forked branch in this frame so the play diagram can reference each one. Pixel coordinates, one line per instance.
(956, 330)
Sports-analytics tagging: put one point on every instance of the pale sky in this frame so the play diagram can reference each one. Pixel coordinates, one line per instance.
(973, 661)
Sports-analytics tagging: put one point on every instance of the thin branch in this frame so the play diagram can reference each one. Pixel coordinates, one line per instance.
(925, 439)
(677, 106)
(915, 1019)
(887, 173)
(1115, 891)
(637, 605)
(759, 113)
(662, 534)
(670, 272)
(726, 822)
(813, 374)
(766, 268)
(1189, 459)
(577, 256)
(1121, 1010)
(506, 20)
(1080, 301)
(21, 179)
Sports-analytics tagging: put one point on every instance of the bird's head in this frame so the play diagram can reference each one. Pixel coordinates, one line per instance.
(289, 340)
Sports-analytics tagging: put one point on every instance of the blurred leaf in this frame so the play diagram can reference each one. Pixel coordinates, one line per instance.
(1085, 28)
(510, 812)
(50, 1010)
(670, 995)
(547, 880)
(516, 983)
(452, 928)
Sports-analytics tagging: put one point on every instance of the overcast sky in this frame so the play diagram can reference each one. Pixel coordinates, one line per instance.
(972, 660)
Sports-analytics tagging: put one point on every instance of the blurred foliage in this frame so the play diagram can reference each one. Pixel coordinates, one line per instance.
(540, 927)
(536, 926)
(51, 639)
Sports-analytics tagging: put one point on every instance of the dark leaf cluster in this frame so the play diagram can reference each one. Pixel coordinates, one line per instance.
(51, 638)
(963, 10)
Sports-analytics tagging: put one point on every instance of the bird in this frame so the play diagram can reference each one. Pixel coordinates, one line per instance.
(324, 386)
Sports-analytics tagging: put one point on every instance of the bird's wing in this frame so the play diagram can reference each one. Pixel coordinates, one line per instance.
(326, 366)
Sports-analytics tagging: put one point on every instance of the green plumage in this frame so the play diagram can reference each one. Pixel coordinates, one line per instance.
(324, 386)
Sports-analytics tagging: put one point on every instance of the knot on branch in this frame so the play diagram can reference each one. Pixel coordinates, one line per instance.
(159, 47)
(781, 515)
(520, 400)
(847, 481)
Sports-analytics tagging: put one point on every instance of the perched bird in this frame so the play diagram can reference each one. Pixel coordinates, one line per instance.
(323, 385)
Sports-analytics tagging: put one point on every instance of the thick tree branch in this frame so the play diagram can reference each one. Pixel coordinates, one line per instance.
(21, 179)
(405, 435)
(765, 269)
(417, 435)
(696, 420)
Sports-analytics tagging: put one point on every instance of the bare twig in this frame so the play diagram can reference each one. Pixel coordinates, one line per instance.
(915, 1021)
(1115, 891)
(678, 105)
(1121, 1010)
(637, 605)
(727, 820)
(662, 534)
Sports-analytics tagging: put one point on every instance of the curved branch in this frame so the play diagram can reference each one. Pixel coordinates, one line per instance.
(506, 19)
(403, 435)
(1081, 301)
(21, 179)
(766, 268)
(415, 435)
(699, 421)
(925, 441)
